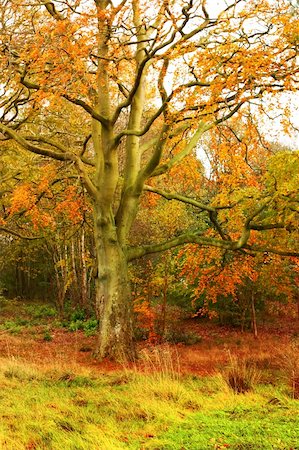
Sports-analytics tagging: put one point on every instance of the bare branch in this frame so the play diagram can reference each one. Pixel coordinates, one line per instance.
(52, 10)
(76, 101)
(275, 251)
(179, 197)
(60, 156)
(191, 201)
(245, 235)
(19, 235)
(202, 128)
(186, 238)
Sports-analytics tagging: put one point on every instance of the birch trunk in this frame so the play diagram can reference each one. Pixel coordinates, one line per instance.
(254, 325)
(84, 296)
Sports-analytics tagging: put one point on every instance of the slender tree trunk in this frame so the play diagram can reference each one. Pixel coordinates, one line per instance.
(60, 293)
(84, 302)
(60, 259)
(244, 310)
(75, 287)
(254, 325)
(165, 289)
(243, 317)
(90, 291)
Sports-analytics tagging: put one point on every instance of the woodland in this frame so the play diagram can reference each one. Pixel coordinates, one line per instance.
(143, 161)
(149, 239)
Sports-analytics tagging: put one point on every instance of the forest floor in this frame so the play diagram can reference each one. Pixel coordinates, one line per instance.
(38, 338)
(56, 395)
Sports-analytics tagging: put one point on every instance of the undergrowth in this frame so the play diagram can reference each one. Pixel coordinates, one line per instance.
(152, 405)
(35, 314)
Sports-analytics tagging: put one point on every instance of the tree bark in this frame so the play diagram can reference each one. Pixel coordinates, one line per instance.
(113, 296)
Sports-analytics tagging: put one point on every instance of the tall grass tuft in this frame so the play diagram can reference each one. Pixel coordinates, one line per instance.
(241, 376)
(289, 365)
(158, 374)
(162, 361)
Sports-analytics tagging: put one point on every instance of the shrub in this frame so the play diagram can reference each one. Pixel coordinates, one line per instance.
(182, 337)
(12, 327)
(41, 311)
(47, 336)
(78, 315)
(89, 326)
(76, 325)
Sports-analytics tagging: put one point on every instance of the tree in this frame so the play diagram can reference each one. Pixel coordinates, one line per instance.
(124, 94)
(227, 282)
(50, 200)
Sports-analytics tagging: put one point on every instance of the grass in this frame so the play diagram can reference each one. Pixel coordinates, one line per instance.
(240, 375)
(251, 402)
(53, 409)
(289, 362)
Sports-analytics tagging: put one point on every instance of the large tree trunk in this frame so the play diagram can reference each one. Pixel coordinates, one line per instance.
(113, 298)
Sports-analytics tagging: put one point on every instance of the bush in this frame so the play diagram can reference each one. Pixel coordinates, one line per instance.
(41, 311)
(76, 325)
(47, 336)
(78, 315)
(89, 326)
(12, 327)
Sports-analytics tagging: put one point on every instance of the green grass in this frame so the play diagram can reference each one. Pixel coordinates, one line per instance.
(236, 422)
(128, 410)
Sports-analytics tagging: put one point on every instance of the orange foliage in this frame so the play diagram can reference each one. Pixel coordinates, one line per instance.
(23, 198)
(214, 274)
(210, 272)
(72, 206)
(40, 219)
(146, 318)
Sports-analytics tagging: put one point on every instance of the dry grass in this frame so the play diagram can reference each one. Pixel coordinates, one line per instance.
(153, 410)
(162, 360)
(289, 366)
(241, 375)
